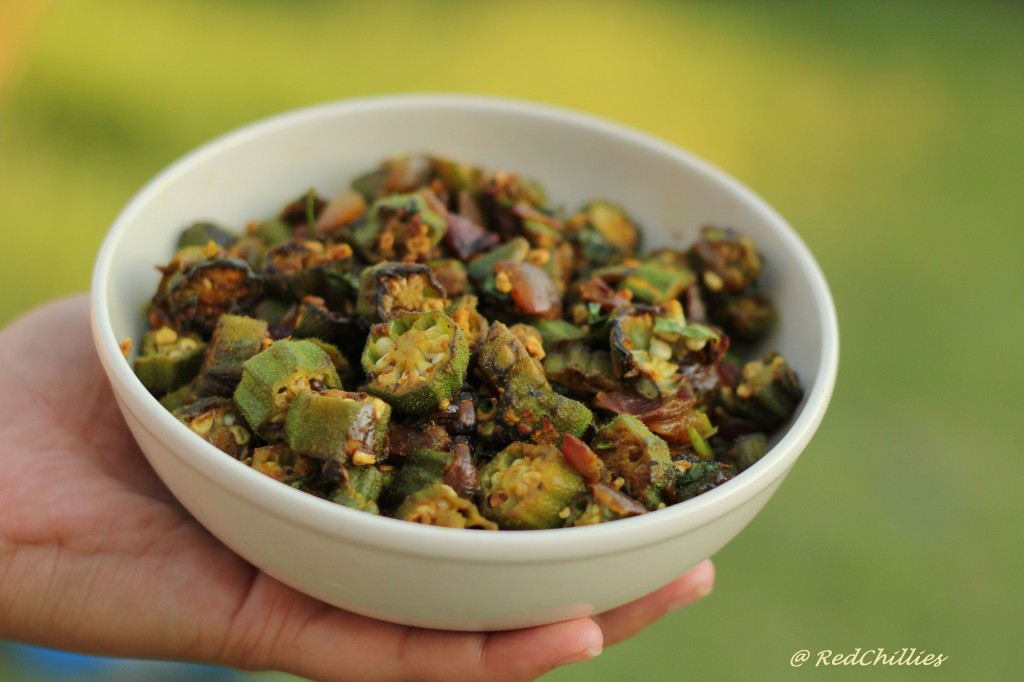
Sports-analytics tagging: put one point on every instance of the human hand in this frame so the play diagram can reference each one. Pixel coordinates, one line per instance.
(97, 556)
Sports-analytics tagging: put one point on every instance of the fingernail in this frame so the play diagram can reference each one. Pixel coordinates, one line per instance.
(580, 656)
(698, 590)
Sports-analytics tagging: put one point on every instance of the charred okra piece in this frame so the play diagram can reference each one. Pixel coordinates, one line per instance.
(235, 339)
(727, 261)
(169, 360)
(580, 369)
(636, 456)
(416, 361)
(195, 297)
(746, 317)
(273, 377)
(695, 476)
(389, 289)
(218, 422)
(767, 394)
(360, 488)
(525, 398)
(602, 233)
(339, 426)
(401, 227)
(527, 486)
(439, 505)
(293, 269)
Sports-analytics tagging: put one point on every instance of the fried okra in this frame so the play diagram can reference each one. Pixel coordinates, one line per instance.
(441, 343)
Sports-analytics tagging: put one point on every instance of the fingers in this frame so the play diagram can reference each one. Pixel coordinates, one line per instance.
(625, 621)
(281, 629)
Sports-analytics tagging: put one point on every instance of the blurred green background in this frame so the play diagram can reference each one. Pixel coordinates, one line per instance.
(891, 135)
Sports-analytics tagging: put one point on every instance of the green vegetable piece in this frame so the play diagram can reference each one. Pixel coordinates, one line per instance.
(439, 505)
(389, 289)
(727, 261)
(235, 339)
(641, 358)
(338, 359)
(528, 486)
(338, 425)
(747, 318)
(273, 377)
(631, 452)
(218, 422)
(281, 463)
(416, 360)
(581, 369)
(179, 397)
(420, 469)
(603, 233)
(272, 232)
(525, 398)
(169, 360)
(555, 333)
(747, 450)
(202, 233)
(653, 282)
(767, 394)
(293, 269)
(360, 489)
(401, 227)
(481, 268)
(695, 476)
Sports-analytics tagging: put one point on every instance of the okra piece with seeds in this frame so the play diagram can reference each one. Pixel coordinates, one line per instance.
(439, 505)
(168, 360)
(389, 288)
(360, 488)
(527, 486)
(272, 379)
(637, 457)
(416, 361)
(217, 421)
(401, 227)
(348, 428)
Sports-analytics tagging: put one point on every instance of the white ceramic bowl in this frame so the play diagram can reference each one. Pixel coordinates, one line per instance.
(439, 577)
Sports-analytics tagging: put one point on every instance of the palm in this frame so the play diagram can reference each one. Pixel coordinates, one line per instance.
(95, 554)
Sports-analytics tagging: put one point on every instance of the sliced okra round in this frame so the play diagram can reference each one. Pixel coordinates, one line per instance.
(767, 394)
(401, 227)
(727, 260)
(196, 297)
(528, 486)
(273, 377)
(694, 476)
(388, 289)
(295, 269)
(415, 361)
(636, 456)
(464, 313)
(348, 428)
(168, 360)
(281, 463)
(439, 505)
(219, 423)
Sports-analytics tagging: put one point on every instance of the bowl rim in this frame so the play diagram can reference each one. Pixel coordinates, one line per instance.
(403, 537)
